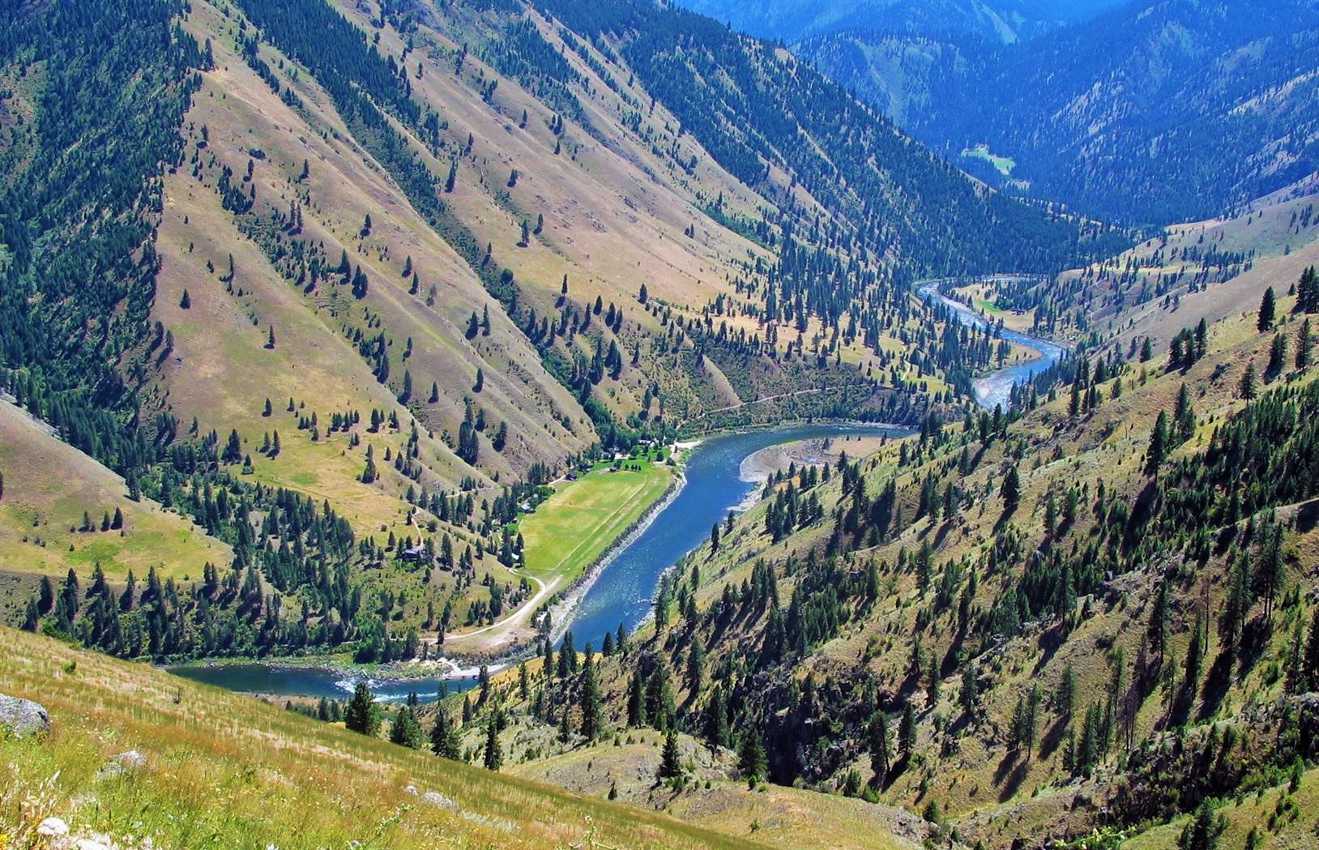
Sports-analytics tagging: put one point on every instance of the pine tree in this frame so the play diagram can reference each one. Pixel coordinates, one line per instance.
(716, 730)
(1064, 700)
(362, 714)
(880, 755)
(1184, 416)
(185, 302)
(1304, 344)
(45, 596)
(1248, 382)
(1205, 828)
(1011, 490)
(493, 759)
(1267, 309)
(968, 694)
(369, 471)
(590, 701)
(1158, 447)
(907, 731)
(1269, 574)
(670, 766)
(565, 727)
(751, 759)
(636, 702)
(445, 742)
(1277, 357)
(1307, 292)
(696, 665)
(1017, 728)
(405, 729)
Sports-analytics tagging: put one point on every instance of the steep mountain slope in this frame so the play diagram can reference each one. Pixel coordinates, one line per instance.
(1026, 627)
(1156, 112)
(367, 277)
(1208, 105)
(245, 774)
(906, 76)
(880, 189)
(1000, 21)
(1208, 270)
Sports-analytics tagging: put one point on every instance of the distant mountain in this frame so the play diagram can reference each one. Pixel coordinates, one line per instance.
(908, 77)
(1160, 111)
(1002, 21)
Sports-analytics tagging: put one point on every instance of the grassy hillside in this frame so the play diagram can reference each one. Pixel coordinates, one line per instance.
(389, 269)
(50, 488)
(1209, 270)
(228, 769)
(714, 798)
(1132, 600)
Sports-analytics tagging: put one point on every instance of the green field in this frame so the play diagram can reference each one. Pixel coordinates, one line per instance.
(571, 529)
(1002, 164)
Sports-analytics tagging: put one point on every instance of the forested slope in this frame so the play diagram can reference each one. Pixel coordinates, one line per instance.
(347, 285)
(1151, 113)
(1025, 627)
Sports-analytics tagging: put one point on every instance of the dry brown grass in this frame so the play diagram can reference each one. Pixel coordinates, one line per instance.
(229, 771)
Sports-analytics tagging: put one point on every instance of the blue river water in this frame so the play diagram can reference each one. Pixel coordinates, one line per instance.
(622, 594)
(996, 387)
(315, 682)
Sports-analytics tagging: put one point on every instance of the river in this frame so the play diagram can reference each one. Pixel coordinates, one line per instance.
(257, 677)
(622, 593)
(995, 388)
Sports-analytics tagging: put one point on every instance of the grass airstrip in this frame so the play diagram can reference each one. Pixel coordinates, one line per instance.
(572, 528)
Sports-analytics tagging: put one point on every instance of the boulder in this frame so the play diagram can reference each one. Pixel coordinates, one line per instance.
(23, 717)
(433, 798)
(126, 762)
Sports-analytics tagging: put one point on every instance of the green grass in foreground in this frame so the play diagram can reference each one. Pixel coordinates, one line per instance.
(228, 771)
(576, 525)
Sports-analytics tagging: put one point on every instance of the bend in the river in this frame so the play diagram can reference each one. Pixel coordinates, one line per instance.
(995, 388)
(622, 593)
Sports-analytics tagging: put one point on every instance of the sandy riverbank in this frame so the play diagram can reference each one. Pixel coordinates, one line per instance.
(759, 466)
